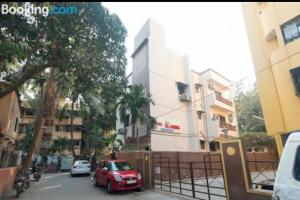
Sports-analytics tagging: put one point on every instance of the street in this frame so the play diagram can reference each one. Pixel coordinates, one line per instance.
(62, 186)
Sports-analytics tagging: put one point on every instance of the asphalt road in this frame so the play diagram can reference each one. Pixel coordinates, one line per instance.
(61, 186)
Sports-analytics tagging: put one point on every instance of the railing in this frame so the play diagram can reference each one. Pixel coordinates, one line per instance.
(263, 173)
(223, 100)
(10, 159)
(200, 180)
(229, 126)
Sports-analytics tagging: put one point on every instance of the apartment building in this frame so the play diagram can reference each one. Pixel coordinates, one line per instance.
(190, 116)
(54, 129)
(9, 123)
(274, 32)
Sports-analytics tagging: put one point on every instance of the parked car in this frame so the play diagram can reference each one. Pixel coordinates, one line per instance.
(117, 175)
(81, 167)
(66, 163)
(287, 181)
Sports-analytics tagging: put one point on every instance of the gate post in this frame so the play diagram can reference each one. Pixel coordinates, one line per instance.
(236, 173)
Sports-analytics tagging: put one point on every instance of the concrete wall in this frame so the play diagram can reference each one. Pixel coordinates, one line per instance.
(273, 59)
(7, 177)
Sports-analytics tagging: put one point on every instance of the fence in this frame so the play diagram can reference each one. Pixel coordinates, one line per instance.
(202, 179)
(262, 168)
(10, 159)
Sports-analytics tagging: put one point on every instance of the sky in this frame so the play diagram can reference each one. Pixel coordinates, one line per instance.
(212, 34)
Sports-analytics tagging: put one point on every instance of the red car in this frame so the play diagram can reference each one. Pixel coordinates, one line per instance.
(117, 175)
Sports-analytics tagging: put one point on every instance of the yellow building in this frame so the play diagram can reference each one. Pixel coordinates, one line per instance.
(274, 32)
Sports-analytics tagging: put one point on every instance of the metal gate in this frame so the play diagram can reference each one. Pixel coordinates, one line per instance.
(201, 180)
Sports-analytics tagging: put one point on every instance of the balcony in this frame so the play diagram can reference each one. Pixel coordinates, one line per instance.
(223, 100)
(225, 125)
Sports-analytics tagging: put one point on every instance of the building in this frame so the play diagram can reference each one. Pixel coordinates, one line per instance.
(274, 32)
(187, 112)
(53, 130)
(9, 123)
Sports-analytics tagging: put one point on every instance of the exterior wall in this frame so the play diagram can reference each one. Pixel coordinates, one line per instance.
(159, 69)
(50, 134)
(273, 59)
(215, 105)
(7, 177)
(9, 122)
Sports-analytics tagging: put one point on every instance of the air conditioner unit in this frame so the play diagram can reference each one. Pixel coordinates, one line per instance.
(184, 97)
(211, 85)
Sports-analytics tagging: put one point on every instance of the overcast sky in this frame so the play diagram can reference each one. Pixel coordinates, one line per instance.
(212, 34)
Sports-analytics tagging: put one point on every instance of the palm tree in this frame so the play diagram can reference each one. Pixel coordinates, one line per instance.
(135, 101)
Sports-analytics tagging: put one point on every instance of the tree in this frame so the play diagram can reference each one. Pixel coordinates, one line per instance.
(30, 44)
(135, 103)
(89, 43)
(61, 144)
(258, 140)
(248, 109)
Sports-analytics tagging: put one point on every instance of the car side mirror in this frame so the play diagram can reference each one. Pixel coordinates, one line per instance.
(105, 169)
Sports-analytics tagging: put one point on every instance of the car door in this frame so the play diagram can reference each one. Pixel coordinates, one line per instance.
(98, 172)
(105, 175)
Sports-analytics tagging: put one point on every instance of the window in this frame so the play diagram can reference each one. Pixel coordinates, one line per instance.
(291, 30)
(76, 142)
(200, 114)
(296, 171)
(295, 73)
(181, 87)
(16, 124)
(222, 118)
(219, 94)
(230, 118)
(202, 144)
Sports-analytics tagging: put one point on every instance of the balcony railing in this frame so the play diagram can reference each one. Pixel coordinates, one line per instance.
(229, 126)
(223, 100)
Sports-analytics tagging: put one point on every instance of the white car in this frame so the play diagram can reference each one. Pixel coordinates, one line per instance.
(287, 182)
(80, 167)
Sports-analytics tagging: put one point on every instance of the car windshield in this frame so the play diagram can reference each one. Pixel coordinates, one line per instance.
(119, 166)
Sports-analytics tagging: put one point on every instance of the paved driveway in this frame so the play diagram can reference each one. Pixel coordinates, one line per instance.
(61, 186)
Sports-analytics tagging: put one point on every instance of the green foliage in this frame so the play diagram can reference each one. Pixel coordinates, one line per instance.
(258, 140)
(61, 144)
(80, 46)
(25, 142)
(247, 105)
(134, 103)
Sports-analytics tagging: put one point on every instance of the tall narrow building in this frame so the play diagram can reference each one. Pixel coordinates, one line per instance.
(184, 123)
(274, 32)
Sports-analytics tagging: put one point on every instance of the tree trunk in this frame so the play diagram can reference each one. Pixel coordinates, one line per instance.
(125, 135)
(46, 109)
(133, 131)
(36, 139)
(137, 139)
(72, 136)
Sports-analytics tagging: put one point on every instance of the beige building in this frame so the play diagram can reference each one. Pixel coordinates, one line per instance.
(274, 32)
(9, 123)
(193, 110)
(53, 130)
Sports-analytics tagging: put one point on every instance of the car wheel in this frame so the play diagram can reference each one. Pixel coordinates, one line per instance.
(138, 190)
(72, 175)
(95, 181)
(109, 187)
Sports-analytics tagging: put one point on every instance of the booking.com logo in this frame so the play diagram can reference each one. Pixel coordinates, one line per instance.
(34, 10)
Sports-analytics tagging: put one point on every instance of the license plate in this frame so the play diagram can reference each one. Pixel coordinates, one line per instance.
(131, 182)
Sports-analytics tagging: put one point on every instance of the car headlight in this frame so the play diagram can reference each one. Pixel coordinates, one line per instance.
(139, 176)
(118, 177)
(275, 197)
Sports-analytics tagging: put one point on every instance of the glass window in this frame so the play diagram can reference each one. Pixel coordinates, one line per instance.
(295, 73)
(297, 165)
(291, 30)
(202, 144)
(119, 166)
(16, 124)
